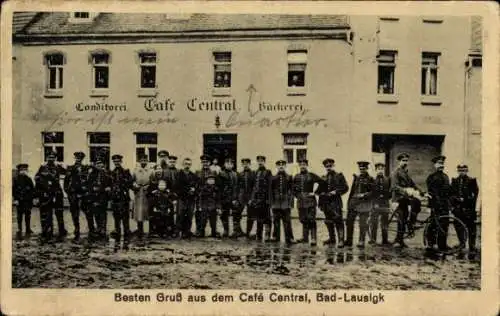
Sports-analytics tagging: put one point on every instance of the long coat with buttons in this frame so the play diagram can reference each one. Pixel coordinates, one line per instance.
(332, 181)
(361, 195)
(464, 192)
(282, 191)
(246, 181)
(261, 193)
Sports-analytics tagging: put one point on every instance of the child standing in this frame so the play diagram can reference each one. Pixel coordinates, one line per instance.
(163, 211)
(22, 193)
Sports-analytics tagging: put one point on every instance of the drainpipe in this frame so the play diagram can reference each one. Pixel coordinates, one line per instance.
(468, 67)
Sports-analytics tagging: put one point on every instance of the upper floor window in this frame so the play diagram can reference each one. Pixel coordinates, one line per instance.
(429, 79)
(297, 61)
(100, 70)
(55, 69)
(386, 69)
(146, 144)
(222, 69)
(148, 69)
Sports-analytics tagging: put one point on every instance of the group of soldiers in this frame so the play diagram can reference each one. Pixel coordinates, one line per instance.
(169, 197)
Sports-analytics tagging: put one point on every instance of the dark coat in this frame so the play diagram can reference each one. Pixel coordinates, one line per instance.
(400, 179)
(188, 185)
(332, 181)
(99, 185)
(303, 184)
(46, 187)
(75, 181)
(228, 181)
(382, 192)
(361, 195)
(209, 197)
(23, 190)
(464, 192)
(282, 191)
(246, 182)
(162, 201)
(438, 186)
(122, 181)
(261, 192)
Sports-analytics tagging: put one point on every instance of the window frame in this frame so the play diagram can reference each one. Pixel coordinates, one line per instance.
(299, 89)
(94, 65)
(294, 147)
(146, 147)
(53, 145)
(73, 18)
(59, 72)
(143, 64)
(99, 145)
(427, 86)
(387, 59)
(223, 90)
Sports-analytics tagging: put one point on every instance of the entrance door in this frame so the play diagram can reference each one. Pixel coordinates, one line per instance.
(220, 146)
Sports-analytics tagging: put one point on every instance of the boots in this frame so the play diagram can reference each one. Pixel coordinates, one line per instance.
(267, 232)
(313, 234)
(331, 235)
(340, 231)
(305, 234)
(249, 227)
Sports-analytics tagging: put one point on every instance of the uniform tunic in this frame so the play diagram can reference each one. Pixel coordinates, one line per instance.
(229, 189)
(363, 184)
(332, 181)
(246, 181)
(381, 193)
(141, 177)
(282, 191)
(303, 186)
(438, 186)
(464, 192)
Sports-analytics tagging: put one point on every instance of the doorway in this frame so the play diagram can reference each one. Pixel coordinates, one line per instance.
(220, 146)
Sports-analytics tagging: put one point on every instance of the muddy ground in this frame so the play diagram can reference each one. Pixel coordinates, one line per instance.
(230, 264)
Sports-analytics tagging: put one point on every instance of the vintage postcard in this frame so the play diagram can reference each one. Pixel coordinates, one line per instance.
(249, 158)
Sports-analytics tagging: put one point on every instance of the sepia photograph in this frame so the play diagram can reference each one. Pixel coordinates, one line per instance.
(246, 151)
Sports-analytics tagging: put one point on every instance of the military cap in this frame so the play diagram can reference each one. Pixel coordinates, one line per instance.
(172, 157)
(280, 162)
(261, 157)
(462, 166)
(79, 155)
(363, 164)
(247, 160)
(22, 166)
(51, 154)
(304, 161)
(401, 156)
(438, 158)
(163, 153)
(116, 157)
(204, 157)
(379, 164)
(328, 161)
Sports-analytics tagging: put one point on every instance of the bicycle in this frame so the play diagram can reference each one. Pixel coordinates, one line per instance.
(456, 236)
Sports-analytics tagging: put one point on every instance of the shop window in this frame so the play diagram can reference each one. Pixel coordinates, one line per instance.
(297, 62)
(55, 69)
(99, 146)
(146, 144)
(429, 79)
(53, 142)
(294, 147)
(386, 70)
(148, 70)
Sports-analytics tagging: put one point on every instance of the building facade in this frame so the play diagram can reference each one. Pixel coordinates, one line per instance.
(351, 88)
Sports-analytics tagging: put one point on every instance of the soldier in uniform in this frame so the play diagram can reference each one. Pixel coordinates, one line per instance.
(120, 198)
(304, 187)
(209, 202)
(246, 181)
(464, 193)
(229, 193)
(100, 188)
(76, 188)
(23, 191)
(173, 184)
(160, 171)
(141, 178)
(330, 191)
(202, 175)
(402, 187)
(359, 204)
(438, 186)
(57, 170)
(260, 199)
(46, 187)
(188, 187)
(381, 205)
(282, 202)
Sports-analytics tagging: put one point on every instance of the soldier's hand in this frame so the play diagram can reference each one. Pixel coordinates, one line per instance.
(332, 192)
(310, 194)
(394, 205)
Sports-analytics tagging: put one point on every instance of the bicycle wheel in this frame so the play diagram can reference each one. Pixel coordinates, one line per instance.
(455, 230)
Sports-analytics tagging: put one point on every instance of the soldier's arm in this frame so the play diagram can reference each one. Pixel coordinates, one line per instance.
(343, 187)
(66, 182)
(395, 188)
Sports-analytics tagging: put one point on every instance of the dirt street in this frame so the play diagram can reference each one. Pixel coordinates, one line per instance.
(230, 264)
